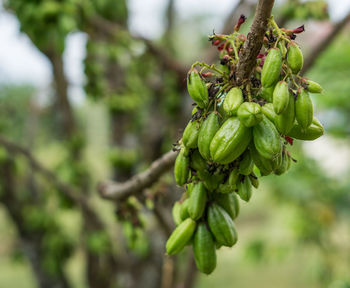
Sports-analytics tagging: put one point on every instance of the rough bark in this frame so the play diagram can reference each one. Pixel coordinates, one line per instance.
(251, 48)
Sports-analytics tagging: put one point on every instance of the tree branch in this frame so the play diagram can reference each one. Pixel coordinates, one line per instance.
(66, 189)
(251, 48)
(120, 191)
(311, 59)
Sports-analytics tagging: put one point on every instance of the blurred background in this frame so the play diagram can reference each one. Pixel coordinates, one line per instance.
(95, 90)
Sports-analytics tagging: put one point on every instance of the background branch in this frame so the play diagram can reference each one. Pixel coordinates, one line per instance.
(318, 50)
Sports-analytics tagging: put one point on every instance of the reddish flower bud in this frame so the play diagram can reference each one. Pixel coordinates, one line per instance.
(216, 42)
(241, 20)
(221, 47)
(207, 74)
(298, 30)
(289, 140)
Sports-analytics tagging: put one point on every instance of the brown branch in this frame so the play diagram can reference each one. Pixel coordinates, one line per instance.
(120, 191)
(251, 48)
(319, 49)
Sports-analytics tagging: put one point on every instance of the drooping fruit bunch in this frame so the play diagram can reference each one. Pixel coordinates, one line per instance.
(236, 134)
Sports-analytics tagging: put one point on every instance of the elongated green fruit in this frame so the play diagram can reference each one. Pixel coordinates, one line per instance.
(269, 112)
(197, 88)
(233, 177)
(204, 249)
(282, 46)
(197, 201)
(180, 236)
(285, 121)
(249, 113)
(280, 97)
(246, 165)
(198, 163)
(272, 68)
(176, 213)
(284, 166)
(184, 210)
(206, 133)
(230, 141)
(226, 188)
(190, 135)
(313, 87)
(266, 93)
(254, 180)
(222, 226)
(266, 139)
(229, 202)
(212, 181)
(245, 189)
(263, 164)
(314, 131)
(181, 168)
(233, 99)
(294, 58)
(304, 109)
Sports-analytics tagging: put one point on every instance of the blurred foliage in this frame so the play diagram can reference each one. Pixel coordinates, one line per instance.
(295, 9)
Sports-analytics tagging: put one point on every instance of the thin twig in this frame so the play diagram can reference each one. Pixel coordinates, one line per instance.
(120, 191)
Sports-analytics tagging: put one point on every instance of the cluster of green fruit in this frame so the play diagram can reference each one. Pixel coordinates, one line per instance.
(236, 134)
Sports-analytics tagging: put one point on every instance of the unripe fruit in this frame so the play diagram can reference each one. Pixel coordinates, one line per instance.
(190, 135)
(245, 189)
(206, 133)
(266, 139)
(230, 141)
(246, 165)
(197, 201)
(266, 93)
(233, 99)
(197, 88)
(254, 180)
(264, 165)
(181, 168)
(284, 166)
(204, 249)
(304, 109)
(272, 68)
(229, 202)
(280, 97)
(285, 121)
(233, 177)
(180, 236)
(314, 131)
(249, 113)
(222, 226)
(294, 58)
(176, 213)
(282, 46)
(184, 210)
(313, 87)
(269, 112)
